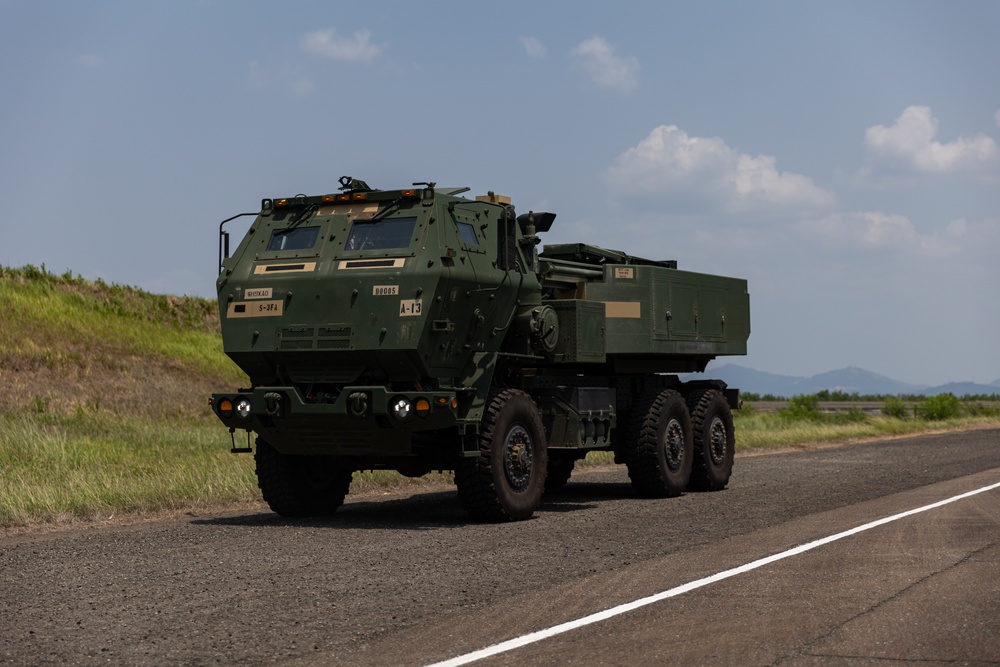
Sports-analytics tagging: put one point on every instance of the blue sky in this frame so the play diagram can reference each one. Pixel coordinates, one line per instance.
(843, 157)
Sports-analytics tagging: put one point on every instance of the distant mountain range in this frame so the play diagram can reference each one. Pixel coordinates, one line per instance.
(848, 380)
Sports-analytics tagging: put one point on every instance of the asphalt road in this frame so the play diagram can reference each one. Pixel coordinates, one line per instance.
(411, 581)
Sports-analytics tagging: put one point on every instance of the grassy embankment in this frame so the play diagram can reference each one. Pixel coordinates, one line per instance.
(103, 406)
(103, 403)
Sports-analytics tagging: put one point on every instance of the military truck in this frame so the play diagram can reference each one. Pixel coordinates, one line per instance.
(418, 330)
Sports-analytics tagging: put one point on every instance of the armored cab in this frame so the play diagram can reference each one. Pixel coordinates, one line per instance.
(420, 330)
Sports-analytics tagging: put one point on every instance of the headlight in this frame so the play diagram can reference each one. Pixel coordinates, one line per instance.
(402, 409)
(243, 408)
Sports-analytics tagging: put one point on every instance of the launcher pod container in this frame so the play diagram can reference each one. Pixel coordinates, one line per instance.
(418, 330)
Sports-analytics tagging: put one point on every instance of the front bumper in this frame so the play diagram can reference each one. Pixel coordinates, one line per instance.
(362, 420)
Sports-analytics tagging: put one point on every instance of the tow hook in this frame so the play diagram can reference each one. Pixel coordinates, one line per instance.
(358, 404)
(272, 403)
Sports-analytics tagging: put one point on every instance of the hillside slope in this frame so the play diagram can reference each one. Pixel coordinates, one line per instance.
(70, 345)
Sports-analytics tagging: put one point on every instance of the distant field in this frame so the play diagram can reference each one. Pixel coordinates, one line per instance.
(837, 407)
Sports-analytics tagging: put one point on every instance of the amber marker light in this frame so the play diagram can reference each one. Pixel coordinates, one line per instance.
(359, 196)
(225, 407)
(423, 407)
(408, 193)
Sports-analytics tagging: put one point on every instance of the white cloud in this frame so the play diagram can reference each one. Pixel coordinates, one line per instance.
(957, 228)
(874, 230)
(605, 67)
(707, 175)
(327, 44)
(911, 142)
(533, 47)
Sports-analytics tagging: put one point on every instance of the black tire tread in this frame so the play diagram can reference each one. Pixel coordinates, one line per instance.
(474, 476)
(641, 447)
(282, 482)
(701, 405)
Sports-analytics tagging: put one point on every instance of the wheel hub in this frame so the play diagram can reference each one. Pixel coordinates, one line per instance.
(717, 441)
(517, 457)
(673, 437)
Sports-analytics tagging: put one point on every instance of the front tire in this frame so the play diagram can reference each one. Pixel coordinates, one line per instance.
(300, 486)
(659, 447)
(505, 482)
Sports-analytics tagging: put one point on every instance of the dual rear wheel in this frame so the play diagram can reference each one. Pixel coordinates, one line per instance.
(714, 441)
(674, 443)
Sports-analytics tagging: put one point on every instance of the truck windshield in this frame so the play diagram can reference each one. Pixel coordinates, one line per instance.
(381, 235)
(293, 239)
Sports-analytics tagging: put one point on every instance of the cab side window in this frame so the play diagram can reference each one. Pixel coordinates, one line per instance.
(468, 233)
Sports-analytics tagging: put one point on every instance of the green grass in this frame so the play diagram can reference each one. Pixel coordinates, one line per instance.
(757, 431)
(88, 466)
(64, 468)
(56, 321)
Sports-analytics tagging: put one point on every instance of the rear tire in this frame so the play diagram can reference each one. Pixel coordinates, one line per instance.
(659, 445)
(505, 482)
(300, 486)
(714, 441)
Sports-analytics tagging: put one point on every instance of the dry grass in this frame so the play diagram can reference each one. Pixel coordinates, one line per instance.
(760, 432)
(59, 469)
(69, 345)
(85, 466)
(104, 401)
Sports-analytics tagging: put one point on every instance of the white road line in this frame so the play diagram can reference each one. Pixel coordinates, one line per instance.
(538, 636)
